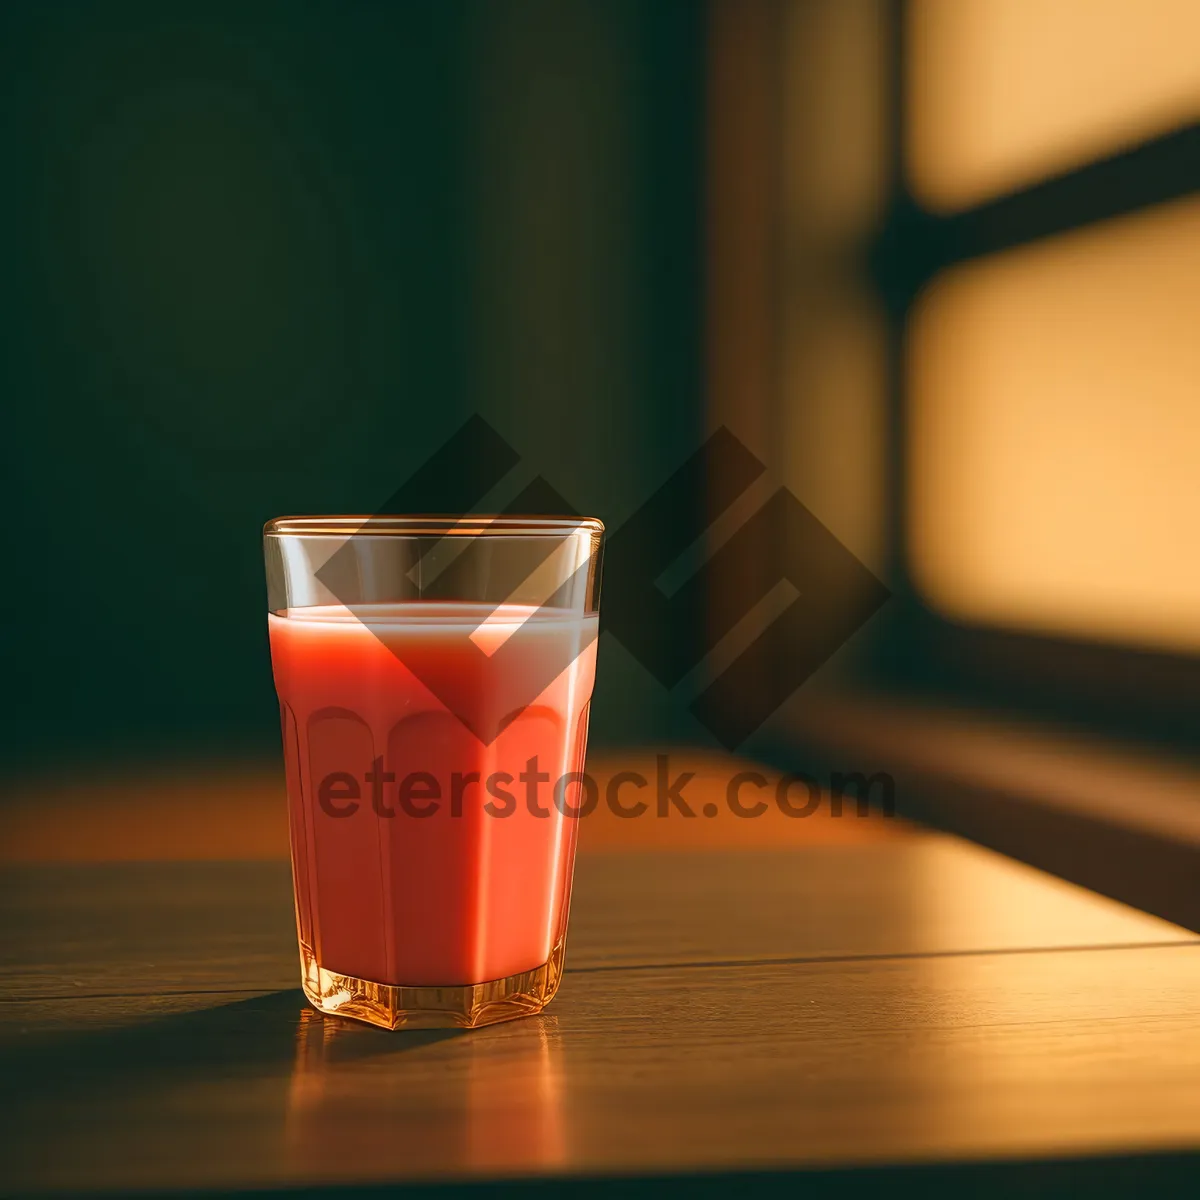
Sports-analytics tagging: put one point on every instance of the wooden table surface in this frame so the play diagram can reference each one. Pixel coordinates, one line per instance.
(911, 1000)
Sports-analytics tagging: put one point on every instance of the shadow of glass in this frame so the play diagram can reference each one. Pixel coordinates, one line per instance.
(269, 1084)
(258, 1035)
(186, 1092)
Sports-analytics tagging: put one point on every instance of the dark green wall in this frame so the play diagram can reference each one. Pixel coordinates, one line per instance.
(261, 258)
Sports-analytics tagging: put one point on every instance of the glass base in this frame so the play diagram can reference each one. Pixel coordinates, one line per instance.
(393, 1006)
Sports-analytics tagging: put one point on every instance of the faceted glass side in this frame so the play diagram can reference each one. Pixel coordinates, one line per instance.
(466, 1007)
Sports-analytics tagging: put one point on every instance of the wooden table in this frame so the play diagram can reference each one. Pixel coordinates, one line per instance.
(829, 1009)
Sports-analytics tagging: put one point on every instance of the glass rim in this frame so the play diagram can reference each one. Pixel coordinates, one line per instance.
(470, 525)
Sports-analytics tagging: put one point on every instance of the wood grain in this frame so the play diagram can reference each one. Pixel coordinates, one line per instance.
(929, 894)
(705, 1068)
(145, 929)
(889, 1003)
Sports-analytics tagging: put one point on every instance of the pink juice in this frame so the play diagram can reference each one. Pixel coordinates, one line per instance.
(423, 854)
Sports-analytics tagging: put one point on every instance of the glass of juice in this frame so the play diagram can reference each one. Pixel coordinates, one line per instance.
(434, 676)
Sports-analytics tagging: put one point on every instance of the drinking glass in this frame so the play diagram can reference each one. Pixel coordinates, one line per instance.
(434, 677)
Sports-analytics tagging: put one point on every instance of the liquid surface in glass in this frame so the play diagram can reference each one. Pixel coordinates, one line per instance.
(423, 854)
